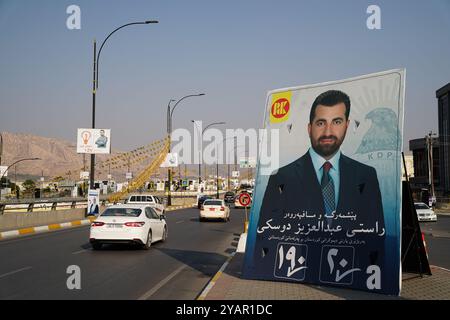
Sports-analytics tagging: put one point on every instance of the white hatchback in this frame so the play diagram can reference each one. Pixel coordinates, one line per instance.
(424, 212)
(214, 209)
(138, 224)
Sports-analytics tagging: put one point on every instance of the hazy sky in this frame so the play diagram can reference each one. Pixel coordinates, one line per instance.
(234, 51)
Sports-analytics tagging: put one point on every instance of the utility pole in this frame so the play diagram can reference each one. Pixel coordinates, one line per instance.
(42, 184)
(217, 174)
(15, 182)
(429, 143)
(1, 148)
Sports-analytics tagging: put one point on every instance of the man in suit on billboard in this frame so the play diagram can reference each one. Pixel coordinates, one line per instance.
(324, 183)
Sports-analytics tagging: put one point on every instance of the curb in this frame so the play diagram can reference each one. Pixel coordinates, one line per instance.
(57, 226)
(40, 229)
(213, 281)
(179, 207)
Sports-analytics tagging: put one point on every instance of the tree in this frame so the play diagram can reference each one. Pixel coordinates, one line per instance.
(29, 185)
(5, 182)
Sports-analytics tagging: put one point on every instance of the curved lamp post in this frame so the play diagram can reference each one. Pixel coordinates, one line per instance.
(95, 85)
(169, 132)
(26, 159)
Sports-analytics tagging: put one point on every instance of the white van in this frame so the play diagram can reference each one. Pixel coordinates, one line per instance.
(147, 199)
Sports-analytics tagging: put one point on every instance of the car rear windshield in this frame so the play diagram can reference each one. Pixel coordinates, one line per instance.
(121, 212)
(141, 199)
(421, 206)
(213, 203)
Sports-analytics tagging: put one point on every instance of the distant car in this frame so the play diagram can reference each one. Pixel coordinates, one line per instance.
(147, 199)
(201, 200)
(229, 197)
(424, 212)
(237, 204)
(214, 209)
(135, 224)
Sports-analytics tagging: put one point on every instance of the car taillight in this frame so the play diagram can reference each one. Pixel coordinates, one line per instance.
(97, 224)
(222, 208)
(134, 224)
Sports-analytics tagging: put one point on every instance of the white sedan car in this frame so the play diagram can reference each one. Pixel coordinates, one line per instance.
(214, 209)
(424, 212)
(138, 224)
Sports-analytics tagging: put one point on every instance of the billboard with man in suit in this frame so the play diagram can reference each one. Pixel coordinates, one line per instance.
(331, 213)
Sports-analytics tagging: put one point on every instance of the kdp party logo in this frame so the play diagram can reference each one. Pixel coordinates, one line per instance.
(281, 105)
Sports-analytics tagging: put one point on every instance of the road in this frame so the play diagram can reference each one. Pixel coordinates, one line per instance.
(35, 267)
(437, 237)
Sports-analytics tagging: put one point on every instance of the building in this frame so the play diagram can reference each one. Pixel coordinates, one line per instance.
(409, 161)
(419, 149)
(443, 96)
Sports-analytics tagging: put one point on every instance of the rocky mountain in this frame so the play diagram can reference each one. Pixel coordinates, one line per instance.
(57, 156)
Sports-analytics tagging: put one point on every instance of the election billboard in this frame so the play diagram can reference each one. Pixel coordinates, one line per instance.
(171, 161)
(330, 213)
(94, 141)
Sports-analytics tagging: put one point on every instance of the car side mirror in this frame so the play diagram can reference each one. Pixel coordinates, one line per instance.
(163, 216)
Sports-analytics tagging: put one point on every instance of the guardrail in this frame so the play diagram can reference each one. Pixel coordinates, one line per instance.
(52, 204)
(46, 206)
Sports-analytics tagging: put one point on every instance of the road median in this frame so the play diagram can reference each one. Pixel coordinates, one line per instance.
(4, 235)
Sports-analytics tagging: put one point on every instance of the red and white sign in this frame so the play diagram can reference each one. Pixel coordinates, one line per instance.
(245, 199)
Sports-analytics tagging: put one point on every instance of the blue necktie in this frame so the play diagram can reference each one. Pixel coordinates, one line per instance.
(328, 190)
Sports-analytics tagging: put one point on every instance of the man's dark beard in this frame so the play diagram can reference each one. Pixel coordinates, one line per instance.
(326, 150)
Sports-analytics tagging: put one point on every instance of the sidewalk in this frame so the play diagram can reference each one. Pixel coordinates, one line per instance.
(228, 285)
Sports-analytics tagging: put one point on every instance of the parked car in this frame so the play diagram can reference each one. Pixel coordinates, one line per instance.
(147, 199)
(229, 197)
(202, 199)
(424, 212)
(125, 223)
(214, 209)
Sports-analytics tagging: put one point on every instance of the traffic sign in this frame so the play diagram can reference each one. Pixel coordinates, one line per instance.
(245, 199)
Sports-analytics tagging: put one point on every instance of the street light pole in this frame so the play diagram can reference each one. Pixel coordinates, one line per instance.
(169, 131)
(1, 178)
(95, 87)
(1, 148)
(201, 139)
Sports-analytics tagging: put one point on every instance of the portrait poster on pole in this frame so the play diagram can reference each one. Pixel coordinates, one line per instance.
(330, 212)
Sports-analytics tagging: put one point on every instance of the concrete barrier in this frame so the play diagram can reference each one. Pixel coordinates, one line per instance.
(19, 220)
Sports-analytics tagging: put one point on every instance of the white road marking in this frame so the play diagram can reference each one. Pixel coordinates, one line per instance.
(153, 290)
(81, 251)
(14, 272)
(180, 221)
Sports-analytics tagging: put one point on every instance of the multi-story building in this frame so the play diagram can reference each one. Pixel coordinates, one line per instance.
(443, 96)
(421, 177)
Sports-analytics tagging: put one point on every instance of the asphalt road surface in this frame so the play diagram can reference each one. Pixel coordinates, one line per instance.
(437, 237)
(35, 267)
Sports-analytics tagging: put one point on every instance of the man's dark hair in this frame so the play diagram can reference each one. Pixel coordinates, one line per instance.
(329, 99)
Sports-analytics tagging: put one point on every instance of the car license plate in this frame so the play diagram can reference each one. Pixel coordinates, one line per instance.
(212, 209)
(112, 225)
